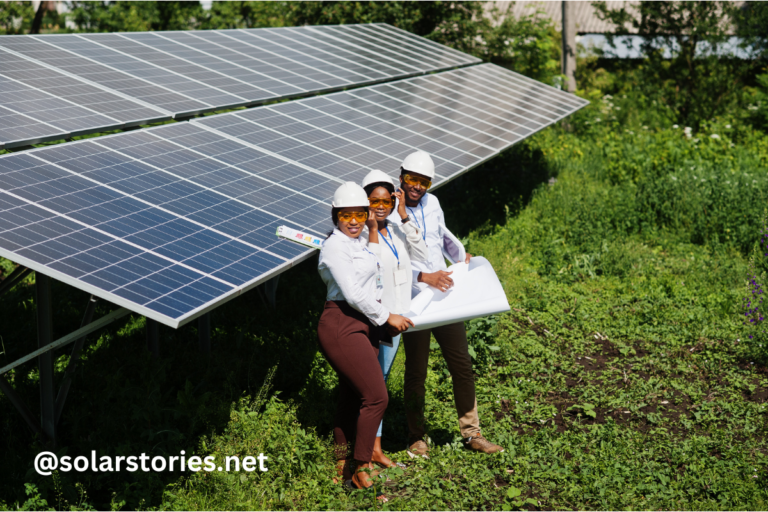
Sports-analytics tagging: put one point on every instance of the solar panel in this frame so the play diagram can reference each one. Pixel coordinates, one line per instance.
(171, 221)
(106, 81)
(461, 117)
(91, 213)
(39, 104)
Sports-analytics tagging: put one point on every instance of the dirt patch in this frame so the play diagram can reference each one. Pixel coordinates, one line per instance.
(759, 395)
(526, 323)
(571, 414)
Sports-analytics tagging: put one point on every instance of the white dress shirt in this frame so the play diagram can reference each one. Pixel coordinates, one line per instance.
(407, 242)
(352, 273)
(429, 218)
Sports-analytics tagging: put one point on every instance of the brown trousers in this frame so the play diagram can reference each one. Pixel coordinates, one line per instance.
(350, 343)
(452, 339)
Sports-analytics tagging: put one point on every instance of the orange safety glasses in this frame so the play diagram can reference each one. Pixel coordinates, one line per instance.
(386, 203)
(413, 181)
(348, 216)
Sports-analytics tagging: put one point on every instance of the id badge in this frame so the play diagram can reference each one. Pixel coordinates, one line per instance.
(379, 283)
(401, 276)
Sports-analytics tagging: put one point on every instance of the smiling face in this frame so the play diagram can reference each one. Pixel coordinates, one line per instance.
(413, 193)
(381, 212)
(353, 226)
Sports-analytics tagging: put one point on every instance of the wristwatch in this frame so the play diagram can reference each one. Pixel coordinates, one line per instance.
(403, 221)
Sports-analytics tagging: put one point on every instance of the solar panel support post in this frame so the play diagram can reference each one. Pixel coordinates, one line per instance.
(270, 290)
(17, 402)
(204, 333)
(16, 276)
(45, 360)
(569, 45)
(153, 337)
(61, 398)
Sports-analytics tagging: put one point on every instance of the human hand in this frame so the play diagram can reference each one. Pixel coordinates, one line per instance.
(371, 221)
(439, 279)
(466, 260)
(398, 324)
(400, 196)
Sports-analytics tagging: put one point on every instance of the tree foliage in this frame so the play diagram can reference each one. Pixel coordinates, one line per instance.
(752, 24)
(131, 16)
(238, 14)
(528, 44)
(16, 17)
(682, 44)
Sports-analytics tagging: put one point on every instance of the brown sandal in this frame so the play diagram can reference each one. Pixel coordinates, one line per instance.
(362, 468)
(343, 471)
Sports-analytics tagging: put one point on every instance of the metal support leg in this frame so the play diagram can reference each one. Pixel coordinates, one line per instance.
(204, 333)
(72, 366)
(16, 276)
(45, 361)
(17, 402)
(270, 290)
(153, 337)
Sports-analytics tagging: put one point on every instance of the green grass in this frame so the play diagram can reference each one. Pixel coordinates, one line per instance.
(616, 381)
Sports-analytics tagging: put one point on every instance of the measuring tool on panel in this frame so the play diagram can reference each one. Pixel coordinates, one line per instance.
(300, 237)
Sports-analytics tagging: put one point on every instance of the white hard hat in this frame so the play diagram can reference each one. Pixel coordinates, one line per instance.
(349, 194)
(376, 176)
(419, 162)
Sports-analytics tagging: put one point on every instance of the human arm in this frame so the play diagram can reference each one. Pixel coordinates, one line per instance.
(452, 248)
(400, 196)
(373, 229)
(341, 260)
(414, 242)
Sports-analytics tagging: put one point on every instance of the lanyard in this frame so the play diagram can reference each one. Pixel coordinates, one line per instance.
(391, 247)
(423, 224)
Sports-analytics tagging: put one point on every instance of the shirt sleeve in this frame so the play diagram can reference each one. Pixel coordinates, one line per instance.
(339, 261)
(417, 247)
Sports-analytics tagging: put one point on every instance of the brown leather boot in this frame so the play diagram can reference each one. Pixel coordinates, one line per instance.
(480, 444)
(418, 448)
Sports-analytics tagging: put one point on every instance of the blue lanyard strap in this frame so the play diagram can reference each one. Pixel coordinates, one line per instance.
(391, 247)
(423, 224)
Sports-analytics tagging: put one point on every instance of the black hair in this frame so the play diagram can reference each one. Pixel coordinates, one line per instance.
(373, 186)
(334, 220)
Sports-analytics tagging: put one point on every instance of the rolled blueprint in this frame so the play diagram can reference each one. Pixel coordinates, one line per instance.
(476, 292)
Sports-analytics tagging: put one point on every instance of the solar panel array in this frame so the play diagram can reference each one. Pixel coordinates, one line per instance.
(58, 86)
(461, 117)
(171, 221)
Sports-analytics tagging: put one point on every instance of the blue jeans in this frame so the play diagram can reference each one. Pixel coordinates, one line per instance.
(386, 358)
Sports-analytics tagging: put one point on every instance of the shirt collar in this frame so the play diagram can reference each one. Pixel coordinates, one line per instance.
(337, 231)
(422, 202)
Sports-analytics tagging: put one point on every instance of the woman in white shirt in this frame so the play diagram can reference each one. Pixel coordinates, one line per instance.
(398, 244)
(350, 329)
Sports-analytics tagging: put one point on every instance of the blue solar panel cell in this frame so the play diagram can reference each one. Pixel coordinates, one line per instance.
(106, 81)
(44, 50)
